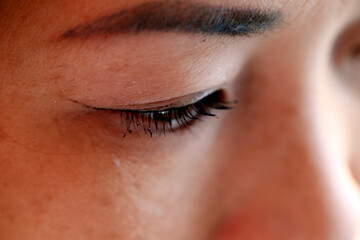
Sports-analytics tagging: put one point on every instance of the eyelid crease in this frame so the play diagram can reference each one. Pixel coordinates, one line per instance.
(177, 102)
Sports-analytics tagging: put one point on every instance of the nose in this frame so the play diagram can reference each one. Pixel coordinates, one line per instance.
(290, 173)
(332, 132)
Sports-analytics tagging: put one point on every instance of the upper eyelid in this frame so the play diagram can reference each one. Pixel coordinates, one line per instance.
(164, 105)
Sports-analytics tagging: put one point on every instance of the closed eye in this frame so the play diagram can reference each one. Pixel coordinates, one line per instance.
(156, 122)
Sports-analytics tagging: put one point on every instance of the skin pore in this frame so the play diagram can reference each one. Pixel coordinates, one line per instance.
(282, 163)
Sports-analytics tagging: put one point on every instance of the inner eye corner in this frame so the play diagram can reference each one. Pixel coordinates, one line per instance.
(224, 97)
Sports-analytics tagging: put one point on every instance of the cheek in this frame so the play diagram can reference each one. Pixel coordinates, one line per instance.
(130, 185)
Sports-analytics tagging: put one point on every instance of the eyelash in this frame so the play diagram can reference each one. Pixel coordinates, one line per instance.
(159, 122)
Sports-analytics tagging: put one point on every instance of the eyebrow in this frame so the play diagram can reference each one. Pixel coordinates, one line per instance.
(180, 16)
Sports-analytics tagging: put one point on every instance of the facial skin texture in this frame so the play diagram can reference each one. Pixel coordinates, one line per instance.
(282, 164)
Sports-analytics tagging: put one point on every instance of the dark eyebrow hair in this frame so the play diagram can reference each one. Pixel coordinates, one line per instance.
(179, 16)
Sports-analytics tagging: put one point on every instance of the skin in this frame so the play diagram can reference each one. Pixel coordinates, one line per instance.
(282, 164)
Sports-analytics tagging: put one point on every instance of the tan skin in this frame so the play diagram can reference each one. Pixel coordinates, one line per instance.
(282, 164)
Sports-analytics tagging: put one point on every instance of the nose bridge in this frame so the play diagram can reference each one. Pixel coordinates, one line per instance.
(299, 143)
(278, 101)
(322, 137)
(331, 133)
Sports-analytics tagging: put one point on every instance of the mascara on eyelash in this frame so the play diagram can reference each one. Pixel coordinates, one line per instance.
(171, 120)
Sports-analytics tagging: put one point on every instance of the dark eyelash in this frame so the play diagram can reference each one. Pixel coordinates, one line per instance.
(162, 121)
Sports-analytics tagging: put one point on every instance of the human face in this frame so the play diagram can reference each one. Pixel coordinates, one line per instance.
(281, 163)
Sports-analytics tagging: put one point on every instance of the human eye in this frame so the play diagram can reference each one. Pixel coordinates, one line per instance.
(348, 57)
(122, 67)
(157, 119)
